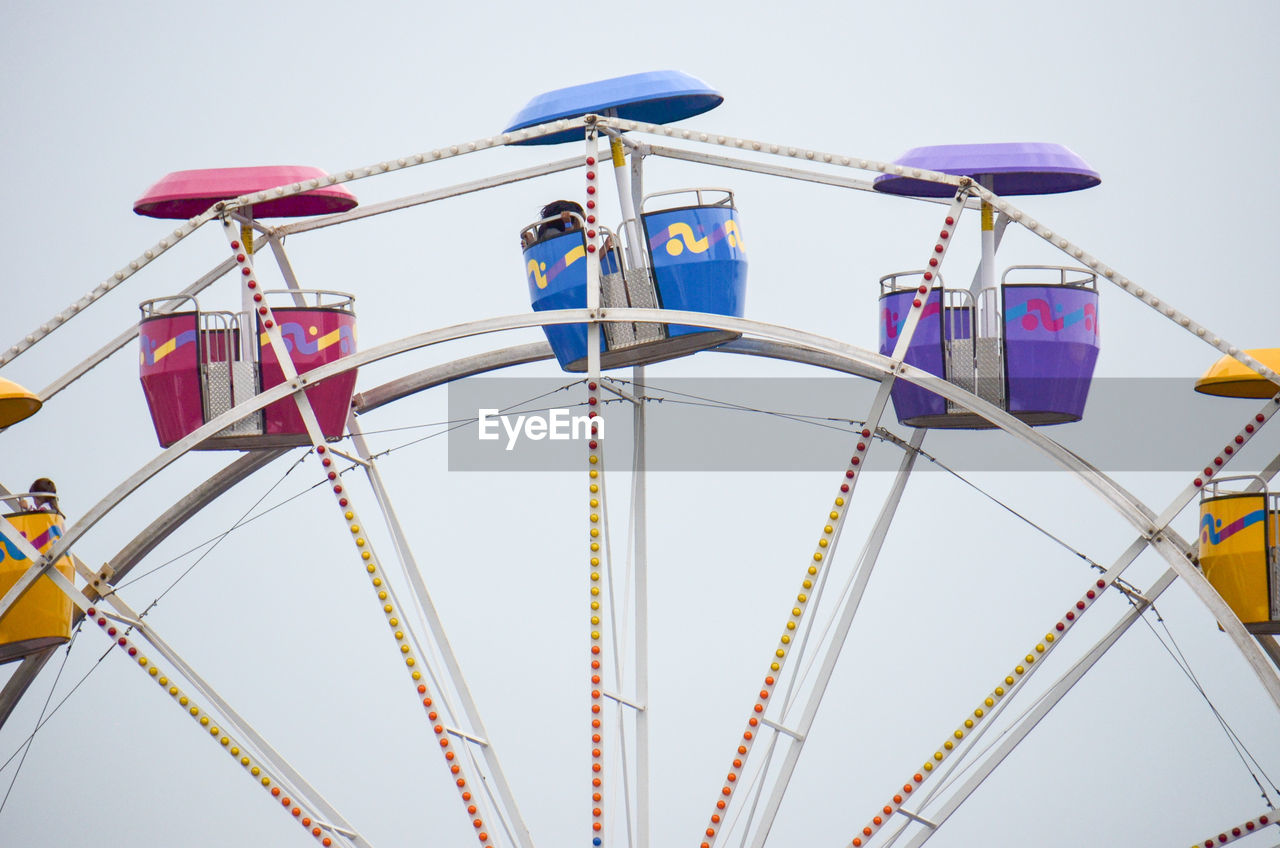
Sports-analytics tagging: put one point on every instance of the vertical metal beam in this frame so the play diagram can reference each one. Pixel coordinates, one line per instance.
(1001, 224)
(594, 330)
(640, 512)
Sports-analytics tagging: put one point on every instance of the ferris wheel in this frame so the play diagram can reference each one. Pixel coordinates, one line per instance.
(280, 373)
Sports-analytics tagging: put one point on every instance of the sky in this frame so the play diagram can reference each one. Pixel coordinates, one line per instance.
(1170, 104)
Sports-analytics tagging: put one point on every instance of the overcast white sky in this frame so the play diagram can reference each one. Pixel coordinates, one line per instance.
(1173, 104)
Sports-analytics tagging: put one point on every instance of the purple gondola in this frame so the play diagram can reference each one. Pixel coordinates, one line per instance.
(1028, 344)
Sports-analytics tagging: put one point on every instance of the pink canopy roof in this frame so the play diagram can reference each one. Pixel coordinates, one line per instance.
(185, 194)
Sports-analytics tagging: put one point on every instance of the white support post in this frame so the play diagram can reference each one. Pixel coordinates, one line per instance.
(637, 200)
(980, 277)
(640, 513)
(986, 297)
(630, 223)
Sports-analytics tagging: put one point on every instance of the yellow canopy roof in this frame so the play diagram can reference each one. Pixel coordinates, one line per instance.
(1228, 378)
(16, 403)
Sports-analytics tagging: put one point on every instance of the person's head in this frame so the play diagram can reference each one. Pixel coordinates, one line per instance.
(556, 207)
(44, 484)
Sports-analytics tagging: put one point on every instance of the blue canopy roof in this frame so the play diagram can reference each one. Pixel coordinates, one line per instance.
(654, 97)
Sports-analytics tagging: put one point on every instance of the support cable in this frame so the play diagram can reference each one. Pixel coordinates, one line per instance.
(1242, 750)
(238, 523)
(26, 746)
(54, 711)
(830, 422)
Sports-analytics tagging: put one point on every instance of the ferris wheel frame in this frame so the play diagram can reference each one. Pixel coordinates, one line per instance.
(759, 339)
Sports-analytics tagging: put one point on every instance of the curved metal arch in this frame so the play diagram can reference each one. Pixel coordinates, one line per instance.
(1125, 503)
(221, 481)
(1174, 549)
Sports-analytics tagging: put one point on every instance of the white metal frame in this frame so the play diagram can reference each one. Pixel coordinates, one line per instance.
(1153, 529)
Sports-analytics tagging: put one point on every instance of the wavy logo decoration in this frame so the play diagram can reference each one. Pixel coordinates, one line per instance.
(296, 339)
(679, 237)
(152, 352)
(1037, 312)
(540, 276)
(1212, 531)
(39, 543)
(893, 322)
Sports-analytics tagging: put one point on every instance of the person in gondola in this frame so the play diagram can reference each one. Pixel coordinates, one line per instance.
(565, 209)
(564, 223)
(46, 499)
(561, 212)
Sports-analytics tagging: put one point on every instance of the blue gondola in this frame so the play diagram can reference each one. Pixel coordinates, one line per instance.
(688, 255)
(695, 261)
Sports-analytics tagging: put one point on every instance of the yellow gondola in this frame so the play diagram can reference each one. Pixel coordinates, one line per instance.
(42, 618)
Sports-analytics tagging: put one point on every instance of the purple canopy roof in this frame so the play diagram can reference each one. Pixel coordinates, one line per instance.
(185, 194)
(1013, 168)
